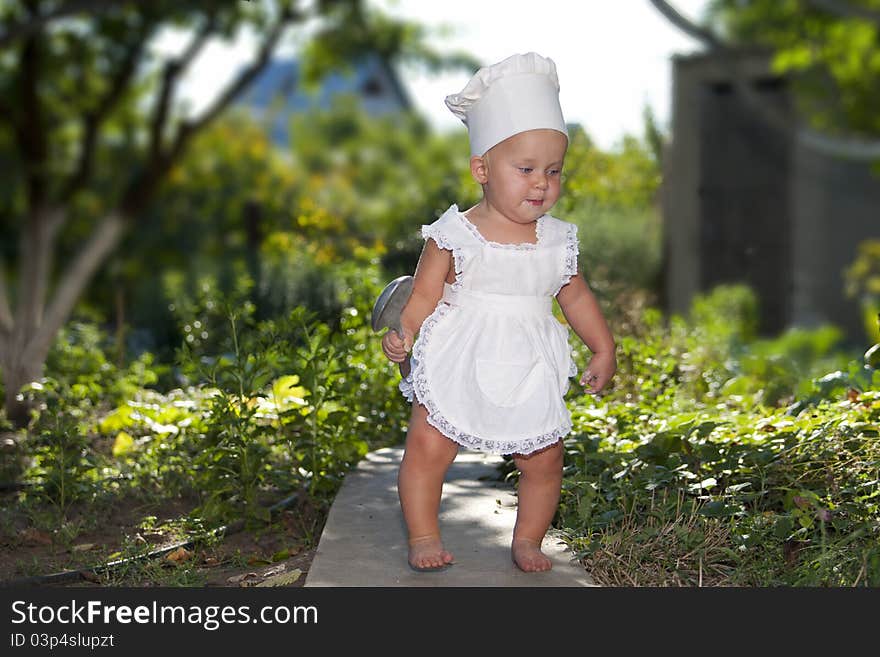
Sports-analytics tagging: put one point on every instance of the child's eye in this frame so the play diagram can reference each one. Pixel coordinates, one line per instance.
(526, 169)
(553, 172)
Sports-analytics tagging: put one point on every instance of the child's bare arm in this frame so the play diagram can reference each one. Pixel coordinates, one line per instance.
(582, 311)
(431, 272)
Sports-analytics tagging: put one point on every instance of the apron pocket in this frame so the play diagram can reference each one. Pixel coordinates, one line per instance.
(508, 384)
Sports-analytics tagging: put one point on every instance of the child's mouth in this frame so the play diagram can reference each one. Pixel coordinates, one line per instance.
(535, 202)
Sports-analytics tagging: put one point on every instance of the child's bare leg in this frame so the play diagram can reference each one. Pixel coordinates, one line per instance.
(540, 483)
(427, 457)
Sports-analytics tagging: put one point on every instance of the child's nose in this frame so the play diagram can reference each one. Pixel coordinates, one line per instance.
(541, 181)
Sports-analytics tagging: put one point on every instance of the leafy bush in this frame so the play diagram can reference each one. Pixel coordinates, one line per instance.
(63, 466)
(863, 283)
(721, 459)
(81, 353)
(267, 407)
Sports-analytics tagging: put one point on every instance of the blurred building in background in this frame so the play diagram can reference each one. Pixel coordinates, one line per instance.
(278, 92)
(744, 202)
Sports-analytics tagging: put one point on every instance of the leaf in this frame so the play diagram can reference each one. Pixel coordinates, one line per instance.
(90, 576)
(245, 579)
(123, 444)
(717, 509)
(783, 527)
(33, 536)
(705, 484)
(83, 547)
(286, 393)
(117, 419)
(284, 579)
(180, 554)
(286, 553)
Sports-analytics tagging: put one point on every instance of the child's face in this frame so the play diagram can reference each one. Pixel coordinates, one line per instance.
(522, 174)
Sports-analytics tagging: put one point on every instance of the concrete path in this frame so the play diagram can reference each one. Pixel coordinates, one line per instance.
(364, 540)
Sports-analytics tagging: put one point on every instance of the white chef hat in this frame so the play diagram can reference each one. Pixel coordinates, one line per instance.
(517, 94)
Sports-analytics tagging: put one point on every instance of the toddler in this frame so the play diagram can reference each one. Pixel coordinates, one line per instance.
(491, 363)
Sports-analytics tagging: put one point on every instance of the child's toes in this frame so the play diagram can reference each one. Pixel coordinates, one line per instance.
(528, 557)
(428, 553)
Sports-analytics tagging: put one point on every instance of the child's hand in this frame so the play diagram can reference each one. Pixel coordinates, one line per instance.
(601, 368)
(395, 347)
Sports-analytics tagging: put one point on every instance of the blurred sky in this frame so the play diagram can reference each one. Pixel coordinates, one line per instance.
(612, 56)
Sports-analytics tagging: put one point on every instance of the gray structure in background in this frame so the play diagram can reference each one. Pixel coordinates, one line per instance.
(742, 202)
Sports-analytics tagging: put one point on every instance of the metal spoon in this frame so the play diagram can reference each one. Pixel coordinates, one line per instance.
(388, 308)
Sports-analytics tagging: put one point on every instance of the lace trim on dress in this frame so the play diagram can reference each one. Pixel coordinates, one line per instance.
(458, 257)
(406, 386)
(571, 257)
(521, 246)
(419, 384)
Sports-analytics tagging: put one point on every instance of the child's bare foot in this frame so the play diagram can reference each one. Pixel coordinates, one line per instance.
(427, 553)
(528, 557)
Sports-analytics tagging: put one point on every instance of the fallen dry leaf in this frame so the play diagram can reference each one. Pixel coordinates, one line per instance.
(800, 502)
(83, 547)
(180, 554)
(284, 579)
(33, 536)
(89, 576)
(245, 579)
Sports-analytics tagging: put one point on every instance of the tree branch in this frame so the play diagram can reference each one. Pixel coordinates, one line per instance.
(72, 283)
(173, 70)
(92, 120)
(846, 147)
(36, 242)
(26, 28)
(701, 34)
(846, 10)
(188, 129)
(29, 130)
(143, 186)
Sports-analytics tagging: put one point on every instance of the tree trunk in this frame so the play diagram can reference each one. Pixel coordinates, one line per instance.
(16, 374)
(24, 349)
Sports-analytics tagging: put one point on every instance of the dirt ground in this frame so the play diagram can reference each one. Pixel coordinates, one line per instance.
(277, 554)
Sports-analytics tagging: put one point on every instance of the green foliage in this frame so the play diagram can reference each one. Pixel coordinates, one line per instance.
(230, 461)
(716, 457)
(269, 406)
(611, 196)
(64, 469)
(863, 283)
(380, 178)
(714, 355)
(274, 228)
(81, 350)
(834, 60)
(356, 187)
(722, 459)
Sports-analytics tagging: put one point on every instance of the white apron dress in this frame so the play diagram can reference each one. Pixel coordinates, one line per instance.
(491, 363)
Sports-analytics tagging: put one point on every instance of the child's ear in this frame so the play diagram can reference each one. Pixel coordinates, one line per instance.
(480, 169)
